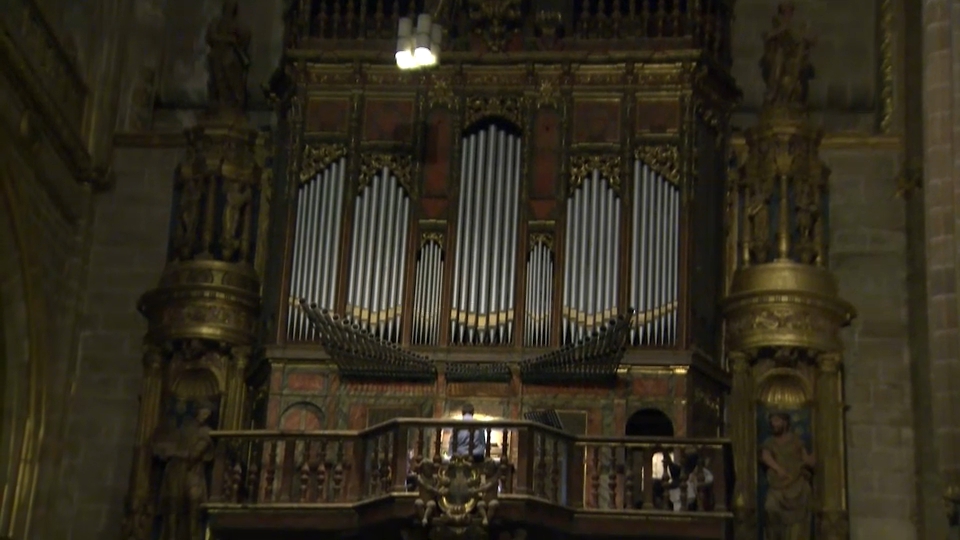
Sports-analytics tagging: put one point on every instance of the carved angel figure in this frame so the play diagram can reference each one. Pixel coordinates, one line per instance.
(430, 487)
(183, 488)
(188, 218)
(228, 60)
(488, 491)
(785, 65)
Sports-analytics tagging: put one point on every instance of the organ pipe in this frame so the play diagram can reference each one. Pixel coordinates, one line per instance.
(654, 258)
(591, 273)
(539, 300)
(485, 263)
(378, 252)
(426, 295)
(316, 246)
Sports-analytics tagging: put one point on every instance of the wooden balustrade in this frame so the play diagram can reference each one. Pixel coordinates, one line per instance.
(270, 468)
(703, 23)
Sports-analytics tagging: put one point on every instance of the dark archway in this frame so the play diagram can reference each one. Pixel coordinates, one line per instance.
(649, 423)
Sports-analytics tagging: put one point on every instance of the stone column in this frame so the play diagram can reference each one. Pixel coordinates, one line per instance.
(941, 186)
(833, 520)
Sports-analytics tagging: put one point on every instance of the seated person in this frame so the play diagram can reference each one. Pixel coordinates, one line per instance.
(462, 444)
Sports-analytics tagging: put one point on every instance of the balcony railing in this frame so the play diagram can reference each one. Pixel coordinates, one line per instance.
(703, 24)
(263, 470)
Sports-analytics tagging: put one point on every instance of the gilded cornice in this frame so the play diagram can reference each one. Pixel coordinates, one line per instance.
(843, 140)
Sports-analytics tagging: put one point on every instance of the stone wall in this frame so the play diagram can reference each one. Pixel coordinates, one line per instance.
(126, 256)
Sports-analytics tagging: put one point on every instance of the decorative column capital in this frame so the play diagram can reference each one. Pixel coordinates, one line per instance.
(739, 361)
(829, 362)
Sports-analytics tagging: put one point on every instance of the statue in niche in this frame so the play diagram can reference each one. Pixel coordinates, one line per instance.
(788, 505)
(805, 208)
(238, 197)
(228, 60)
(188, 218)
(186, 451)
(785, 64)
(758, 199)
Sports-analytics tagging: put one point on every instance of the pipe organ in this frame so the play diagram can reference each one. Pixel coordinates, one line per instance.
(654, 257)
(316, 245)
(539, 297)
(505, 204)
(591, 270)
(377, 254)
(484, 273)
(427, 292)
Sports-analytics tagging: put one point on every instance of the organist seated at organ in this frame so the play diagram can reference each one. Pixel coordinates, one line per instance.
(463, 444)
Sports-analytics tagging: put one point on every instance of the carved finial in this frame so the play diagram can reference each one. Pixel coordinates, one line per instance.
(785, 65)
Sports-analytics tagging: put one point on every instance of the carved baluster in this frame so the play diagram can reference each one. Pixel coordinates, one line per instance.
(373, 466)
(323, 20)
(387, 469)
(339, 473)
(644, 23)
(540, 479)
(616, 18)
(236, 477)
(270, 473)
(584, 26)
(253, 470)
(648, 454)
(506, 463)
(304, 481)
(394, 19)
(349, 18)
(290, 469)
(629, 477)
(659, 17)
(612, 475)
(323, 493)
(378, 18)
(336, 19)
(555, 490)
(595, 476)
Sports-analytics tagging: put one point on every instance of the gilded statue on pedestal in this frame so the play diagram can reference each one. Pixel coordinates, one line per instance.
(186, 451)
(238, 197)
(228, 60)
(785, 65)
(188, 216)
(788, 504)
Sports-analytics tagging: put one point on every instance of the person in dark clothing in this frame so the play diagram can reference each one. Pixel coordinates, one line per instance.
(462, 444)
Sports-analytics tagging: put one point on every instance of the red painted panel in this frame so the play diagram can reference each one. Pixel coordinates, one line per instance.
(328, 115)
(543, 209)
(658, 116)
(305, 382)
(653, 387)
(546, 157)
(440, 145)
(388, 120)
(596, 121)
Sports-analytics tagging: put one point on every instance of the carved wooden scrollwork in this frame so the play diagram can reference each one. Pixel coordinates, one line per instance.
(400, 165)
(508, 107)
(608, 165)
(318, 158)
(664, 159)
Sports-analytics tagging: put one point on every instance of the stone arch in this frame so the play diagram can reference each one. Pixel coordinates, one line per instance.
(649, 422)
(22, 358)
(302, 416)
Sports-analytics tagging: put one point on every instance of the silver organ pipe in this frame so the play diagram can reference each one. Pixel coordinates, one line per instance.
(539, 300)
(316, 246)
(654, 258)
(592, 255)
(426, 296)
(377, 258)
(485, 264)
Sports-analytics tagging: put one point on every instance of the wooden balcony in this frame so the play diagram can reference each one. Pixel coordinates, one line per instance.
(268, 484)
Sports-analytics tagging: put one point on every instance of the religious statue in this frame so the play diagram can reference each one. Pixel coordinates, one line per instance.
(238, 197)
(187, 451)
(228, 60)
(758, 199)
(489, 490)
(806, 214)
(787, 507)
(188, 218)
(785, 63)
